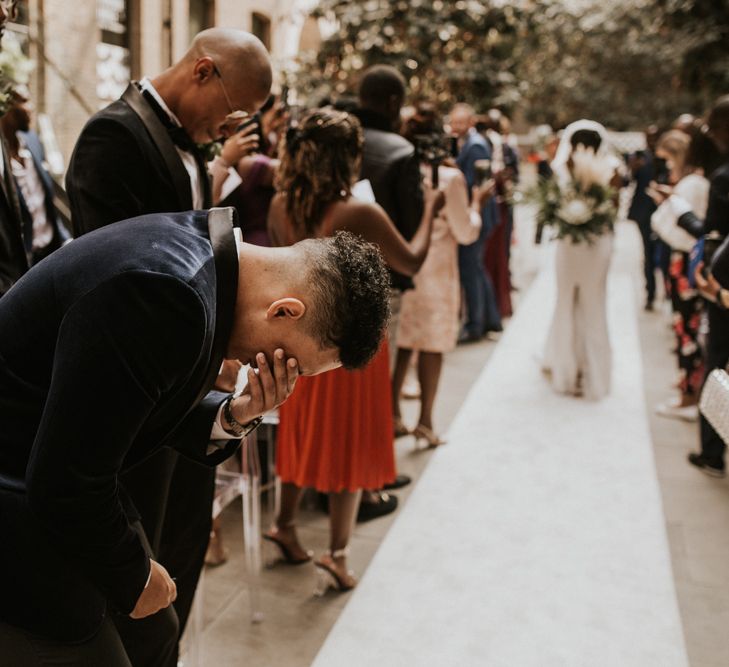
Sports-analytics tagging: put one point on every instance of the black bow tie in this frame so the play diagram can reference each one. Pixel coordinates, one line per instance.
(181, 139)
(178, 134)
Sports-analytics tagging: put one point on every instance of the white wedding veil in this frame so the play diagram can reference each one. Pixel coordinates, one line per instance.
(564, 150)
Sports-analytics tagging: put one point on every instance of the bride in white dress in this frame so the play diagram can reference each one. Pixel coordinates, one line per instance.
(578, 357)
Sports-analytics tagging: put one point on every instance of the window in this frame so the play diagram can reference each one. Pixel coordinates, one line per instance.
(202, 16)
(261, 28)
(112, 52)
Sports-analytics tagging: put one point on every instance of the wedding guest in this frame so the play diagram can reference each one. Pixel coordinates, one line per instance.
(166, 297)
(389, 162)
(684, 123)
(685, 163)
(256, 171)
(429, 315)
(14, 248)
(496, 252)
(43, 230)
(482, 313)
(390, 165)
(337, 435)
(642, 168)
(710, 459)
(141, 154)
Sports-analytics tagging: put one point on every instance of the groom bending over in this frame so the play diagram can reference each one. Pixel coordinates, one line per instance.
(108, 350)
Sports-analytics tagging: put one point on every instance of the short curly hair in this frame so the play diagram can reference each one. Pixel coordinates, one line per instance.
(350, 285)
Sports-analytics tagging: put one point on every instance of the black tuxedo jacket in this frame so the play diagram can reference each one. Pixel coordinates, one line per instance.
(390, 164)
(125, 165)
(107, 351)
(13, 257)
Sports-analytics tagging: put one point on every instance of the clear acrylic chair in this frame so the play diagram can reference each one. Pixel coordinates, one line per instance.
(229, 485)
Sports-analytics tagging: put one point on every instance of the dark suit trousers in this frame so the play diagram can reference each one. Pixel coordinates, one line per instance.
(649, 257)
(174, 497)
(19, 648)
(717, 356)
(120, 642)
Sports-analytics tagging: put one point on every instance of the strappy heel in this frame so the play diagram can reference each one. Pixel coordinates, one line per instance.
(399, 428)
(327, 577)
(275, 551)
(422, 432)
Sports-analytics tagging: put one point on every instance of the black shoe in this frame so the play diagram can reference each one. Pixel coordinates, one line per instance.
(707, 468)
(386, 504)
(648, 307)
(466, 337)
(398, 483)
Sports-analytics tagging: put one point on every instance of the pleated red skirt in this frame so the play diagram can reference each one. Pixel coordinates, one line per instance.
(335, 431)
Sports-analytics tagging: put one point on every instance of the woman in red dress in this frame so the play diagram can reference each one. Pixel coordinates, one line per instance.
(335, 431)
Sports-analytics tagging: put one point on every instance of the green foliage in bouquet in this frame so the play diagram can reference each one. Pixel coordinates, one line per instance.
(575, 212)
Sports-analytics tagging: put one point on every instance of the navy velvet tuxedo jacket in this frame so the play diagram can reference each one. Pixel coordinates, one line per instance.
(107, 351)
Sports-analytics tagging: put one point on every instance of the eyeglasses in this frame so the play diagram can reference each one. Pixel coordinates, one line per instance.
(234, 117)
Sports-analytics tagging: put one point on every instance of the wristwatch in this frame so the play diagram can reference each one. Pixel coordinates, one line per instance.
(236, 428)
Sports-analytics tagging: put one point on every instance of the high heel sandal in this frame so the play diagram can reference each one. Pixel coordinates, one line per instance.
(422, 432)
(399, 429)
(327, 577)
(276, 551)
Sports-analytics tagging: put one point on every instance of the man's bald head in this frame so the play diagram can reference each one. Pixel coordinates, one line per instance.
(461, 119)
(224, 71)
(241, 58)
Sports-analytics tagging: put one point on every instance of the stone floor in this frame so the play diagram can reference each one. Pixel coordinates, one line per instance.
(696, 514)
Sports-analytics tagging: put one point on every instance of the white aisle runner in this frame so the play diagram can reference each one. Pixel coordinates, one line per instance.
(536, 536)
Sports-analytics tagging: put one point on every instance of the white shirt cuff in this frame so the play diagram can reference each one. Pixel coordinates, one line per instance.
(679, 206)
(218, 432)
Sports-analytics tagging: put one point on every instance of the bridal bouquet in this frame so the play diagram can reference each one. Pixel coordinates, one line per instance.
(584, 208)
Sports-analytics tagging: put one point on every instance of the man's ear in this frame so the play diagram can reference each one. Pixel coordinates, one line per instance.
(287, 307)
(204, 68)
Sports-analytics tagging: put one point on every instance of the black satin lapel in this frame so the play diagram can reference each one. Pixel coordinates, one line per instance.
(225, 251)
(157, 131)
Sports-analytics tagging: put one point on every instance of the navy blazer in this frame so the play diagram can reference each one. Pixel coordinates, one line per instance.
(107, 350)
(477, 148)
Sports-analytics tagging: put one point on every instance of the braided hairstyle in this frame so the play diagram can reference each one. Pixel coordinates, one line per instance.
(320, 159)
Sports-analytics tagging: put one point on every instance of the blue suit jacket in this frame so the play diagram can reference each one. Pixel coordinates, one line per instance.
(477, 148)
(107, 351)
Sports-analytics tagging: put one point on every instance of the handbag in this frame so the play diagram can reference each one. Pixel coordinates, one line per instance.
(714, 402)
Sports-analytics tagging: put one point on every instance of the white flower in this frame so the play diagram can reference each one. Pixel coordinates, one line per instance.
(575, 212)
(591, 169)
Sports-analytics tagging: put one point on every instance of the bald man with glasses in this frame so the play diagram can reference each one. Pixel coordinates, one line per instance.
(146, 153)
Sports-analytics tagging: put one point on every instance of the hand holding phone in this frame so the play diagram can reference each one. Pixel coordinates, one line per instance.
(482, 169)
(245, 141)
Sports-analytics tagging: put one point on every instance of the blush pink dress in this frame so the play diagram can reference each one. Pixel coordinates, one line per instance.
(429, 313)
